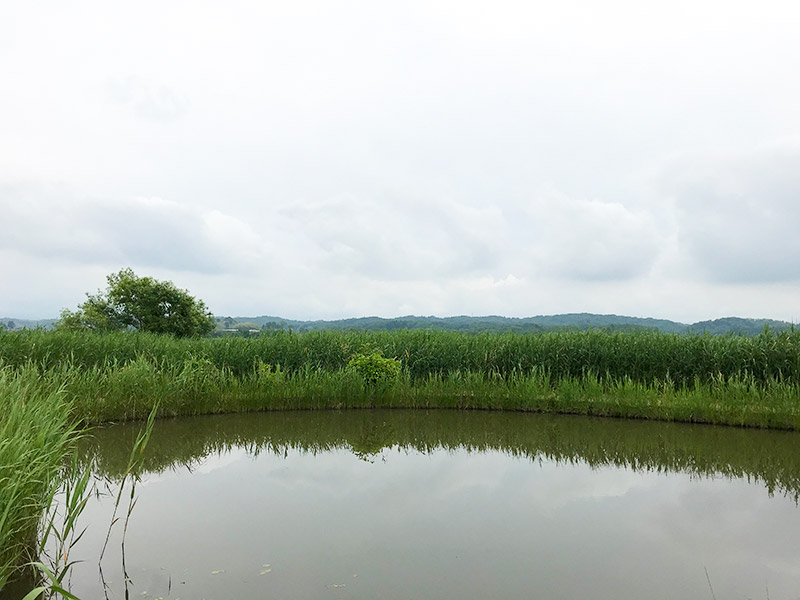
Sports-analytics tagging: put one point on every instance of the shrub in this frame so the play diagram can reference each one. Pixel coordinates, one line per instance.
(374, 369)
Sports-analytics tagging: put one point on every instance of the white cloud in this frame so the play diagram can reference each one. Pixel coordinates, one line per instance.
(154, 102)
(322, 160)
(396, 240)
(738, 213)
(50, 221)
(590, 240)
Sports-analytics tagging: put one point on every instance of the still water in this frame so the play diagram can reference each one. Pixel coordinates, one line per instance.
(444, 505)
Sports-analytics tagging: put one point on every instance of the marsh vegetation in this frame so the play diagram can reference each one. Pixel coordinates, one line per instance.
(56, 382)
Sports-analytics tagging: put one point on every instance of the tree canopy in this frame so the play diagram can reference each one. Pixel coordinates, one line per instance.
(142, 303)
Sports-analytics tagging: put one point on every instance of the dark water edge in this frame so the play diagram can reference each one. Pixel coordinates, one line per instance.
(445, 504)
(21, 583)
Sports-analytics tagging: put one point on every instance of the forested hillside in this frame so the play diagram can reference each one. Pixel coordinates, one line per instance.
(572, 321)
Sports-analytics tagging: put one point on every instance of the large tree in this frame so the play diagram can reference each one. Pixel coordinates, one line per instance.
(143, 303)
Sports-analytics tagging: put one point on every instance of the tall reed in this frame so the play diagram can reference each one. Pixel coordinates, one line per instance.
(35, 437)
(640, 356)
(131, 391)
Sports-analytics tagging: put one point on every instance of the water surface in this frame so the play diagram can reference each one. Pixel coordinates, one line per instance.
(414, 504)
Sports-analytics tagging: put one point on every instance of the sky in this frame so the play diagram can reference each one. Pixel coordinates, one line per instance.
(321, 160)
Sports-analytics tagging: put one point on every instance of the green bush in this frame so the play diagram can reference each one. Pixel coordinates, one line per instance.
(374, 369)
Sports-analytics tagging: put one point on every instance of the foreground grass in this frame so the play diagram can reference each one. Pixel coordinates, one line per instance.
(35, 436)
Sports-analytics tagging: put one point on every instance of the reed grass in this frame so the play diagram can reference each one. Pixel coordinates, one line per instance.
(35, 437)
(131, 391)
(640, 356)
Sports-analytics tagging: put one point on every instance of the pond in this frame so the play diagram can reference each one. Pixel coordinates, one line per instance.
(443, 504)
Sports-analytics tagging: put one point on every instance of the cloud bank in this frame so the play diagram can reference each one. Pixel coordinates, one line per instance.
(320, 161)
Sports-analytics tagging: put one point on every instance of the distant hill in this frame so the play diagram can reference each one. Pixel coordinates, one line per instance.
(737, 325)
(493, 323)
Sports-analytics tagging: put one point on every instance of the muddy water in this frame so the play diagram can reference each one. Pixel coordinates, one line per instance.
(450, 505)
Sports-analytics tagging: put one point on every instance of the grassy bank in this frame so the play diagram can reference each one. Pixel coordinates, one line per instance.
(200, 388)
(52, 382)
(697, 378)
(130, 391)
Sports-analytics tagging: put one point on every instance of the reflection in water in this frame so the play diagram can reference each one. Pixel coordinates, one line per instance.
(411, 504)
(771, 458)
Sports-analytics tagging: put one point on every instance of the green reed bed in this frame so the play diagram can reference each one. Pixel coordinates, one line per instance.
(130, 391)
(120, 376)
(640, 356)
(35, 437)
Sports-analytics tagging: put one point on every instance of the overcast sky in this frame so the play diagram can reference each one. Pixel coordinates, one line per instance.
(334, 159)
